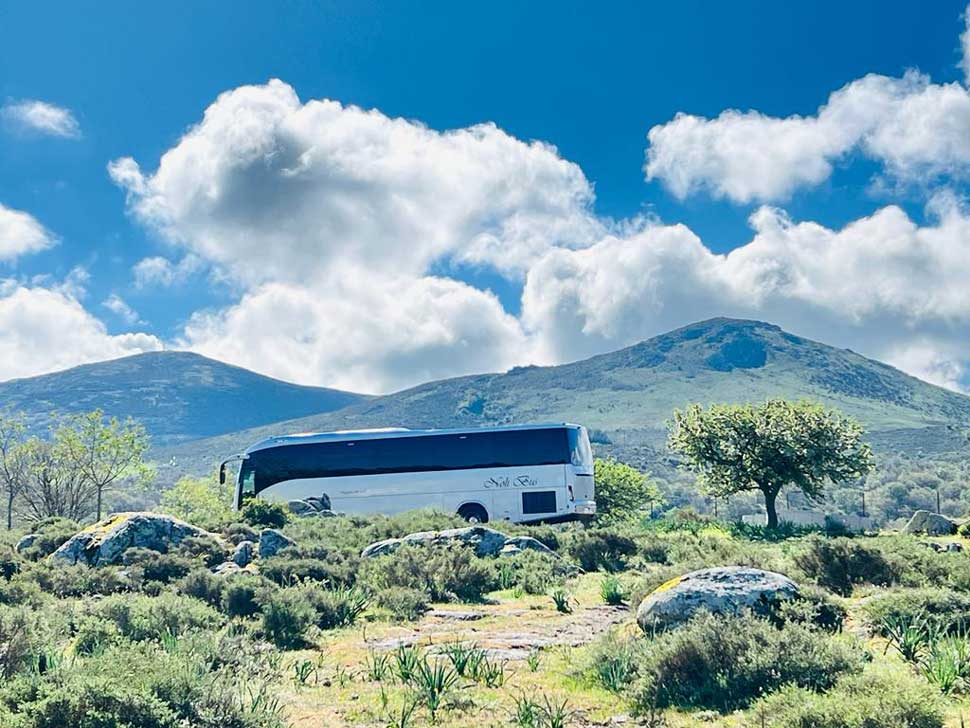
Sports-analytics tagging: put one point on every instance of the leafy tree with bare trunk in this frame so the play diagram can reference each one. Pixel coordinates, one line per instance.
(14, 464)
(54, 488)
(770, 446)
(103, 452)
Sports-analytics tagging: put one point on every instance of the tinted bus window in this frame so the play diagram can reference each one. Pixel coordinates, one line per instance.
(460, 451)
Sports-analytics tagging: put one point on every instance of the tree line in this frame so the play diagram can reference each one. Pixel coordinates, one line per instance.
(68, 473)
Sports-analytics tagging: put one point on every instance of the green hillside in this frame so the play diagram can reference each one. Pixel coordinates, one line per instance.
(176, 395)
(626, 396)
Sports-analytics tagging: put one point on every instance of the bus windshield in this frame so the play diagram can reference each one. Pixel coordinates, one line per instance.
(581, 453)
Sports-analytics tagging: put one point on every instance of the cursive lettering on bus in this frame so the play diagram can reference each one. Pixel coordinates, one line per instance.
(521, 481)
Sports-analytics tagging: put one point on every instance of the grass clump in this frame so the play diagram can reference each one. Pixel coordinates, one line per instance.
(404, 604)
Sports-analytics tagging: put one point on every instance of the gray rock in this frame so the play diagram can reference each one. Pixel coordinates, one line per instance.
(314, 506)
(721, 590)
(271, 542)
(243, 553)
(26, 542)
(518, 544)
(105, 541)
(227, 567)
(485, 541)
(932, 524)
(954, 548)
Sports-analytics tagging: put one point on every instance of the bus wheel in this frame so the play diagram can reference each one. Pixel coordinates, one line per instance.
(473, 513)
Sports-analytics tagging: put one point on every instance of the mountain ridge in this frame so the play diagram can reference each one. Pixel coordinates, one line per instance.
(627, 395)
(177, 395)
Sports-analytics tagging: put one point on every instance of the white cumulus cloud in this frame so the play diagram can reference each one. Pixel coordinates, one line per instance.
(916, 129)
(120, 308)
(44, 330)
(20, 234)
(41, 117)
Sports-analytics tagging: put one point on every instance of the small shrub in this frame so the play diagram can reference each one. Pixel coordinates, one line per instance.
(338, 607)
(209, 550)
(874, 699)
(10, 564)
(242, 594)
(726, 663)
(287, 615)
(531, 571)
(95, 635)
(51, 535)
(815, 607)
(236, 533)
(839, 564)
(265, 514)
(78, 580)
(945, 609)
(403, 603)
(151, 565)
(139, 617)
(286, 570)
(202, 584)
(443, 573)
(600, 549)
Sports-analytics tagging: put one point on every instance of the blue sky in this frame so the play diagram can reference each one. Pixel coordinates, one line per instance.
(588, 81)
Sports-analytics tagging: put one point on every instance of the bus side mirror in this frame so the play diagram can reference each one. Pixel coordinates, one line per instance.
(222, 474)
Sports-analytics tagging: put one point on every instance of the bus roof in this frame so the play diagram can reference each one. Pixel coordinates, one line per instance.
(388, 432)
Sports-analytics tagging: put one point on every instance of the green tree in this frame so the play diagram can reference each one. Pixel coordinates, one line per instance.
(14, 465)
(621, 491)
(103, 452)
(769, 446)
(201, 501)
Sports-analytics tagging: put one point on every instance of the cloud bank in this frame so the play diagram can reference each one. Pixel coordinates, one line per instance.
(40, 117)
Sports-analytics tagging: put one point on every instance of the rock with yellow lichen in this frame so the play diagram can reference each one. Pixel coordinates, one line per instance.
(104, 542)
(721, 590)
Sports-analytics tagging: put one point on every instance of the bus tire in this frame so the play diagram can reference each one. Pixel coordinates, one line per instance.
(473, 513)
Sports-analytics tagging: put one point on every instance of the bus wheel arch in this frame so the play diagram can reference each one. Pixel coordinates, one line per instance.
(473, 512)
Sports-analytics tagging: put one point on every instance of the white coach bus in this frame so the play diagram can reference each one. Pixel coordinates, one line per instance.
(521, 473)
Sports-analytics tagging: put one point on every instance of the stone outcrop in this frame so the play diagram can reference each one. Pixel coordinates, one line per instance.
(25, 542)
(312, 507)
(721, 590)
(272, 541)
(932, 524)
(485, 541)
(105, 541)
(242, 555)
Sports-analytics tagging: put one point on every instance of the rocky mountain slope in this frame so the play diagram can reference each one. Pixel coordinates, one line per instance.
(625, 397)
(178, 396)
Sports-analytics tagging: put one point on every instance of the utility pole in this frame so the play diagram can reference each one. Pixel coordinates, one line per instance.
(863, 504)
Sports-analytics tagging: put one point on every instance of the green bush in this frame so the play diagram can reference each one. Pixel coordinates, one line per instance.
(533, 572)
(947, 609)
(265, 514)
(149, 565)
(726, 663)
(95, 635)
(622, 492)
(444, 573)
(29, 637)
(287, 615)
(338, 607)
(600, 549)
(236, 533)
(141, 617)
(10, 564)
(78, 580)
(874, 699)
(815, 607)
(51, 534)
(242, 592)
(211, 551)
(145, 686)
(839, 564)
(287, 570)
(403, 603)
(203, 585)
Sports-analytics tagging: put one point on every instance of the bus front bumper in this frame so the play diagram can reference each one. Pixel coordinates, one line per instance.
(584, 508)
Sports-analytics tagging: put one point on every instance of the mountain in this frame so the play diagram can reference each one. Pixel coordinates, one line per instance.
(625, 397)
(177, 395)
